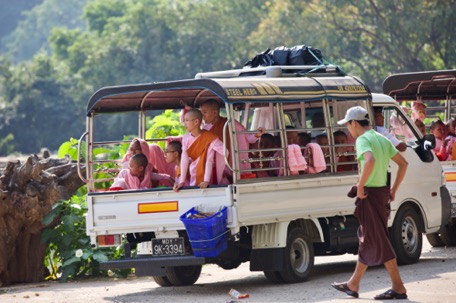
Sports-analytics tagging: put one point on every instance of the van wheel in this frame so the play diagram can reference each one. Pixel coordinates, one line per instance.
(298, 257)
(435, 240)
(273, 277)
(183, 275)
(406, 236)
(449, 234)
(162, 281)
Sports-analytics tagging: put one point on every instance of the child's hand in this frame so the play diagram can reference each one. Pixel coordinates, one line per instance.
(203, 184)
(178, 186)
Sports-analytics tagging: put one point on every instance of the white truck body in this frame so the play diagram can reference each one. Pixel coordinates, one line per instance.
(276, 223)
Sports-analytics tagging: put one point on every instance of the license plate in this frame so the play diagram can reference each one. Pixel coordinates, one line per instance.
(168, 247)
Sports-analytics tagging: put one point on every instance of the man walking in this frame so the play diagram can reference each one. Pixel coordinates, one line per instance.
(373, 196)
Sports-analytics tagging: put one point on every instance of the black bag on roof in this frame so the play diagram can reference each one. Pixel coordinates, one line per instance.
(280, 55)
(304, 55)
(261, 59)
(297, 55)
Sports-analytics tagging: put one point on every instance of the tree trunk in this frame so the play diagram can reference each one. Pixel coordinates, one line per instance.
(27, 193)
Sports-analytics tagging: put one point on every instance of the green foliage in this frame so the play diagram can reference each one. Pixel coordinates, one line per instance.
(7, 145)
(164, 125)
(69, 254)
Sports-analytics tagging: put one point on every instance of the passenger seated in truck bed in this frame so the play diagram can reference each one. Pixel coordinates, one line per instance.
(159, 177)
(200, 150)
(312, 153)
(173, 154)
(266, 141)
(136, 176)
(322, 140)
(163, 173)
(438, 129)
(213, 122)
(341, 138)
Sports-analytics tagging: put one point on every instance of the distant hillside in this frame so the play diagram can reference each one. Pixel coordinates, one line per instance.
(28, 24)
(11, 12)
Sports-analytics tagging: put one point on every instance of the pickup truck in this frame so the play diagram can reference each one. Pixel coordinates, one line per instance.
(277, 223)
(437, 90)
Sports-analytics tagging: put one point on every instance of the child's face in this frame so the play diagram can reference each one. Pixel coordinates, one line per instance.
(135, 169)
(322, 140)
(439, 131)
(135, 147)
(171, 156)
(421, 114)
(190, 122)
(339, 139)
(292, 137)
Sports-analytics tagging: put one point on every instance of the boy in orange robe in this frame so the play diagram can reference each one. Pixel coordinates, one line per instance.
(200, 149)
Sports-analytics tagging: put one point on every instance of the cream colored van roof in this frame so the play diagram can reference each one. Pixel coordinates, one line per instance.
(173, 94)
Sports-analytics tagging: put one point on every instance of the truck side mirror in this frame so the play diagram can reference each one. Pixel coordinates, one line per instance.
(428, 142)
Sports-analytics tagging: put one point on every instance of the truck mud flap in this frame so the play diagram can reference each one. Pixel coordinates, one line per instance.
(446, 205)
(152, 266)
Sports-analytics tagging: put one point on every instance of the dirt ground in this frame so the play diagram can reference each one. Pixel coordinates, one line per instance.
(433, 279)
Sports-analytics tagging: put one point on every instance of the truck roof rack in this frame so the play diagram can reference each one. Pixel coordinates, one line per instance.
(429, 85)
(276, 71)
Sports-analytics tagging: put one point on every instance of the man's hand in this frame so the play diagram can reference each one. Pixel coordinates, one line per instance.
(360, 193)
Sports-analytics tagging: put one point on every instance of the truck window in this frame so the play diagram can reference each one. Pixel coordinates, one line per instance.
(399, 126)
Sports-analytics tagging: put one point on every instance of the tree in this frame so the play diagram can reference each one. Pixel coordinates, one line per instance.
(370, 38)
(27, 193)
(41, 107)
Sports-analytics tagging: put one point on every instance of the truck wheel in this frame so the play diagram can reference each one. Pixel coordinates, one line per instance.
(298, 257)
(273, 277)
(435, 240)
(162, 281)
(449, 234)
(183, 275)
(406, 236)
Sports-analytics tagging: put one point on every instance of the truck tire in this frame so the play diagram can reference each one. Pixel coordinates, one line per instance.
(183, 275)
(298, 257)
(449, 234)
(406, 236)
(162, 281)
(435, 240)
(273, 277)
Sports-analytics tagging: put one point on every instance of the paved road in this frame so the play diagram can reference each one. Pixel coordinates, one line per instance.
(433, 279)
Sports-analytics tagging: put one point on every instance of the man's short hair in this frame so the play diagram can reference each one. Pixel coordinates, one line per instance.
(212, 103)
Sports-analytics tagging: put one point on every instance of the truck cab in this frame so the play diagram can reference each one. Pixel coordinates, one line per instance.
(276, 219)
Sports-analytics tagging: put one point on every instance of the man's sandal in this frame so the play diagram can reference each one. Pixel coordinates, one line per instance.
(343, 287)
(390, 295)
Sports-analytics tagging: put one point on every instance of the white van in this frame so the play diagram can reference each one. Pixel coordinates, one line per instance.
(437, 90)
(278, 223)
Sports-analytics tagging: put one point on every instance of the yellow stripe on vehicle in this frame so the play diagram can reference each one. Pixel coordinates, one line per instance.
(450, 176)
(157, 207)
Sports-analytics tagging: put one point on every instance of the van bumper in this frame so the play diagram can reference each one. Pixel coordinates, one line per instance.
(152, 266)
